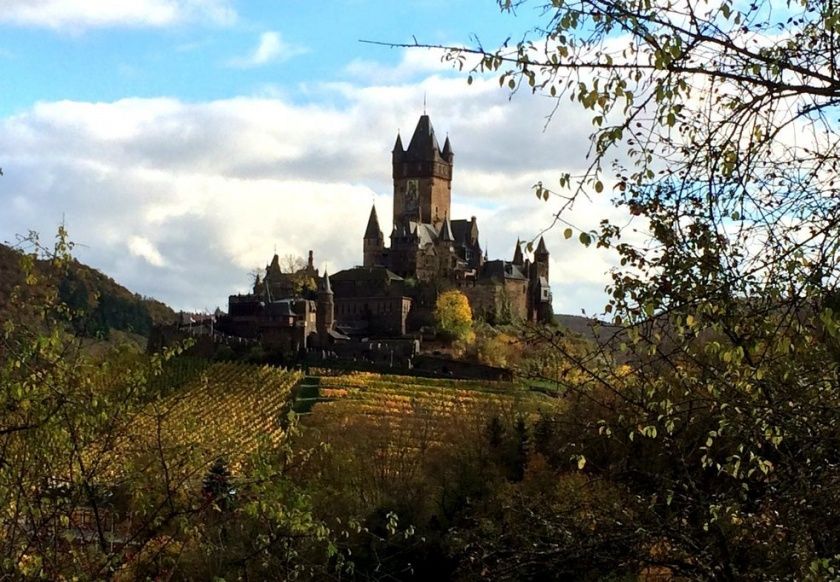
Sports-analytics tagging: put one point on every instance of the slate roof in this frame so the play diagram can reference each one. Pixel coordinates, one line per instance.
(373, 230)
(461, 230)
(283, 307)
(366, 274)
(502, 270)
(423, 144)
(426, 233)
(518, 259)
(446, 231)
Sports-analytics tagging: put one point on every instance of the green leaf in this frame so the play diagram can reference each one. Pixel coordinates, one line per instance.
(567, 233)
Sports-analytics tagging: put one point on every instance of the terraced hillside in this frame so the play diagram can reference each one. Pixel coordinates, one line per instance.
(223, 411)
(411, 410)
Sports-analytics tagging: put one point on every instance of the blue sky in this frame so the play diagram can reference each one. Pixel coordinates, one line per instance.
(184, 140)
(195, 59)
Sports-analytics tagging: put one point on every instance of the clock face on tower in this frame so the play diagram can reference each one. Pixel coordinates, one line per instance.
(412, 194)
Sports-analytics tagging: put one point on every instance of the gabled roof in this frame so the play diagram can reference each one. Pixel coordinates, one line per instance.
(502, 270)
(426, 233)
(462, 229)
(366, 274)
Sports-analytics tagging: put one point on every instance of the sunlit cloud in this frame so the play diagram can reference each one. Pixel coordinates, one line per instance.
(74, 15)
(271, 48)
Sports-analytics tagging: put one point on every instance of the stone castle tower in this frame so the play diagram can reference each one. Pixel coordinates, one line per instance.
(422, 177)
(325, 309)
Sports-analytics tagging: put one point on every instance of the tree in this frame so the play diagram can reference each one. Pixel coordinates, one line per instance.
(301, 279)
(217, 486)
(715, 404)
(454, 316)
(89, 467)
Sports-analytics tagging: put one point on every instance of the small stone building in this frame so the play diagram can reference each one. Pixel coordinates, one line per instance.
(283, 312)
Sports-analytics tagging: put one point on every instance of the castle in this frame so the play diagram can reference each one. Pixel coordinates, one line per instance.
(430, 250)
(393, 292)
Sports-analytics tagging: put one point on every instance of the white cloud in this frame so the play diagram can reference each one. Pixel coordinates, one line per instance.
(143, 248)
(79, 15)
(181, 200)
(271, 48)
(411, 64)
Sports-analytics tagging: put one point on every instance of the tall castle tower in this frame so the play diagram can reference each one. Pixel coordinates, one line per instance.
(422, 177)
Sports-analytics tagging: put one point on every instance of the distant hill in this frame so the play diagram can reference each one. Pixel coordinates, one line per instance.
(587, 327)
(105, 304)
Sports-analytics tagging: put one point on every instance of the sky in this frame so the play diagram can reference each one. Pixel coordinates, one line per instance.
(184, 142)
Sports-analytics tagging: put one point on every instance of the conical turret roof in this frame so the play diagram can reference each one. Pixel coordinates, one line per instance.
(327, 286)
(541, 248)
(446, 231)
(447, 148)
(398, 146)
(517, 253)
(373, 230)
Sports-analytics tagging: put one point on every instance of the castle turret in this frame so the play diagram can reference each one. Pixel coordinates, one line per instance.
(325, 309)
(373, 244)
(422, 177)
(447, 153)
(539, 304)
(541, 259)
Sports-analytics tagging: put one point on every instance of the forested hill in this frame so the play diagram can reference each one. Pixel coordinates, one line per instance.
(104, 304)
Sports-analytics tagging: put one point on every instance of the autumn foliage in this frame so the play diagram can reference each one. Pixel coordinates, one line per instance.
(454, 316)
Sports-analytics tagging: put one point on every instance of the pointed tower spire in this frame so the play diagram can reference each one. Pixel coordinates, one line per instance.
(447, 153)
(541, 248)
(327, 286)
(398, 146)
(423, 144)
(446, 231)
(517, 253)
(373, 230)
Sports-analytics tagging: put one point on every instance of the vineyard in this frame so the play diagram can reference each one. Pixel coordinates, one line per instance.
(224, 410)
(411, 411)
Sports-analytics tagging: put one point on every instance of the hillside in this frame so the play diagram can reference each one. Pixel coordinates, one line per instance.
(408, 415)
(104, 304)
(587, 327)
